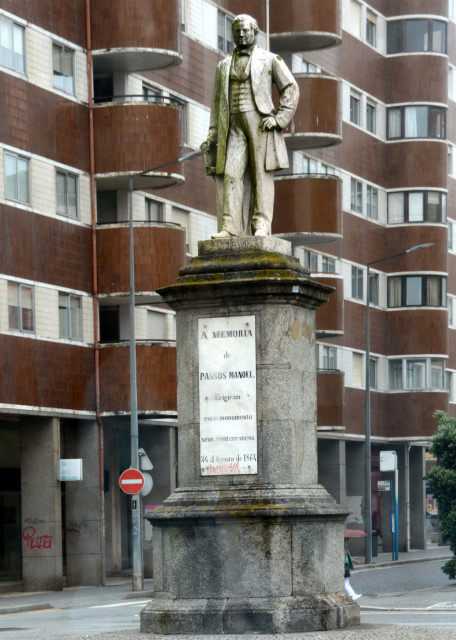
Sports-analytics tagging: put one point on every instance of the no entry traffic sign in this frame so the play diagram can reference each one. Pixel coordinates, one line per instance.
(131, 481)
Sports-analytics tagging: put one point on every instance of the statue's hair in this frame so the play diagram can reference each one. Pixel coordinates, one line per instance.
(244, 17)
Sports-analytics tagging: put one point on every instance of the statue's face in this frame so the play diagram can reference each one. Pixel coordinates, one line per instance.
(243, 35)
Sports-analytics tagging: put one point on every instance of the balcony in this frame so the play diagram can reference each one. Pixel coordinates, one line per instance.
(317, 121)
(155, 373)
(159, 253)
(42, 375)
(417, 78)
(138, 36)
(307, 208)
(330, 316)
(414, 163)
(330, 398)
(304, 26)
(407, 328)
(134, 137)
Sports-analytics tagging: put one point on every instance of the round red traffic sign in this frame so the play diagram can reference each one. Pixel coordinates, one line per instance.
(131, 481)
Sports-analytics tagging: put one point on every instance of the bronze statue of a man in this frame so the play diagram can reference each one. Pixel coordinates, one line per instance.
(245, 137)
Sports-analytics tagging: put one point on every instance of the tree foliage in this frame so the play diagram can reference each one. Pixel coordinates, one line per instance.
(442, 483)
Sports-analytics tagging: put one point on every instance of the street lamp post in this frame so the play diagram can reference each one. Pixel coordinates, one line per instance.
(136, 502)
(367, 429)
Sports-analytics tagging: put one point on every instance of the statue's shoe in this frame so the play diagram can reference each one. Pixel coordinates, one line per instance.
(222, 234)
(260, 232)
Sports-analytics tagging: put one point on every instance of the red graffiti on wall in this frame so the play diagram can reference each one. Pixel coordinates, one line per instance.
(36, 542)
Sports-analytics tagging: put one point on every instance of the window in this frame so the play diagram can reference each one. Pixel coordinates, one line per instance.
(150, 94)
(355, 102)
(373, 373)
(371, 28)
(16, 178)
(328, 265)
(356, 196)
(451, 7)
(224, 33)
(355, 18)
(372, 202)
(451, 228)
(311, 260)
(327, 170)
(373, 288)
(106, 207)
(12, 47)
(303, 164)
(371, 117)
(416, 206)
(63, 68)
(154, 211)
(70, 316)
(329, 355)
(416, 122)
(20, 307)
(308, 67)
(417, 291)
(357, 369)
(450, 312)
(416, 35)
(449, 385)
(416, 373)
(357, 283)
(67, 194)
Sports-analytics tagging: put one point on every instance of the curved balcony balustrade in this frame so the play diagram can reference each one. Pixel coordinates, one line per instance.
(414, 163)
(57, 375)
(133, 138)
(330, 398)
(407, 328)
(417, 78)
(330, 315)
(317, 121)
(155, 374)
(307, 208)
(160, 251)
(416, 7)
(138, 36)
(411, 413)
(304, 26)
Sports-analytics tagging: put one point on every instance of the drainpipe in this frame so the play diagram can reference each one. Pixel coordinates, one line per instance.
(95, 297)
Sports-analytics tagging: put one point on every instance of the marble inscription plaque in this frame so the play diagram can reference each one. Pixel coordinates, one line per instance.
(227, 394)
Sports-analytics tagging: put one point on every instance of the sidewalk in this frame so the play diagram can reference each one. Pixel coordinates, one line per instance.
(433, 552)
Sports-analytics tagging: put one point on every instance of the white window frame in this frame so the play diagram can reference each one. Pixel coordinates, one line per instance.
(20, 288)
(21, 192)
(357, 283)
(70, 317)
(61, 79)
(67, 209)
(15, 33)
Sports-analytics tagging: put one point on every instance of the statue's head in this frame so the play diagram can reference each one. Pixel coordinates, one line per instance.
(245, 30)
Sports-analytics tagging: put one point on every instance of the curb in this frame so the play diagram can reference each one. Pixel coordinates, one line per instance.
(26, 607)
(397, 563)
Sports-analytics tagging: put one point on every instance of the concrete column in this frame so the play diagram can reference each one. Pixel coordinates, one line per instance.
(113, 497)
(417, 499)
(332, 468)
(41, 505)
(354, 500)
(82, 504)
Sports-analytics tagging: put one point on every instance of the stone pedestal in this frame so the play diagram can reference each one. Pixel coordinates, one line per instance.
(255, 548)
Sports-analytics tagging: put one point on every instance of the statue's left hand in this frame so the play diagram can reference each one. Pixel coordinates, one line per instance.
(269, 123)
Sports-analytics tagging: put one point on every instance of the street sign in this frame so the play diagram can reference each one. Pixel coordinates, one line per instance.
(131, 481)
(388, 461)
(383, 485)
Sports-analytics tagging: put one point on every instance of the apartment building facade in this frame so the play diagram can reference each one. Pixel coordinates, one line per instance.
(99, 101)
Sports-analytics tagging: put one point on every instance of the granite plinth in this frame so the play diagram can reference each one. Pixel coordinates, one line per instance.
(237, 552)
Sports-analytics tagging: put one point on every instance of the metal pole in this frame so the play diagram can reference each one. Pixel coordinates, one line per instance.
(396, 512)
(367, 417)
(136, 510)
(367, 440)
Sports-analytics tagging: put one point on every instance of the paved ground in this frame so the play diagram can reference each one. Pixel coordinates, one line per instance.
(120, 588)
